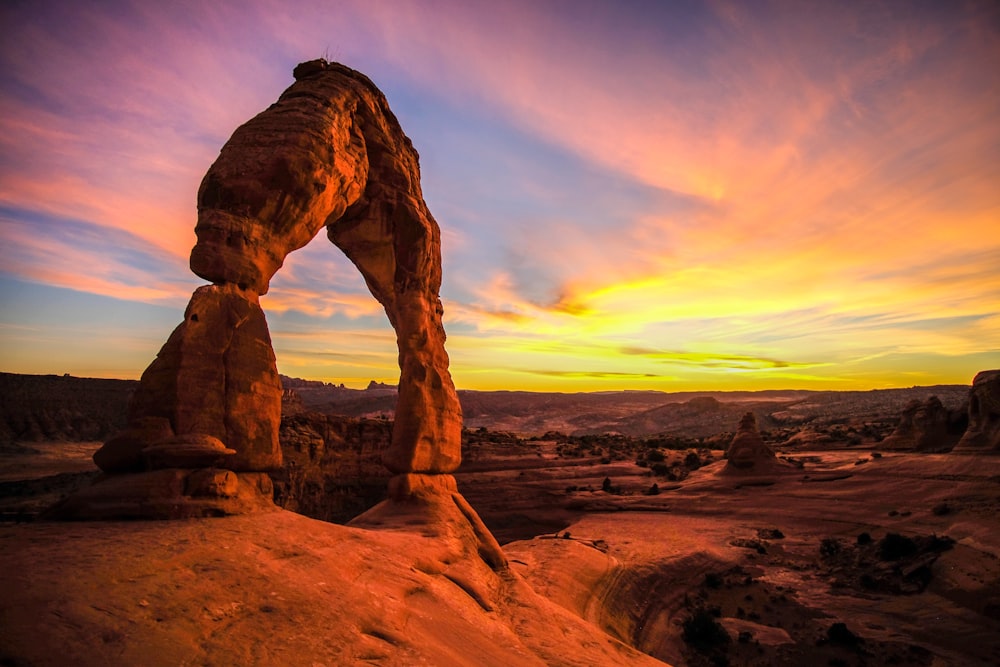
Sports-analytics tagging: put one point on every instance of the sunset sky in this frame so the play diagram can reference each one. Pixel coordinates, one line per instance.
(632, 195)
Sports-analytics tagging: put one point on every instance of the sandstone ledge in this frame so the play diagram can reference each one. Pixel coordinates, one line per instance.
(273, 589)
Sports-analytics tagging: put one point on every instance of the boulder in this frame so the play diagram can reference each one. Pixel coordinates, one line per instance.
(926, 426)
(983, 433)
(123, 453)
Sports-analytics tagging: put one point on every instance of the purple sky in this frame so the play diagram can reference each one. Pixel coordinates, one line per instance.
(632, 195)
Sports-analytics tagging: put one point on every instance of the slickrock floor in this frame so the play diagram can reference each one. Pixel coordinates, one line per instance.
(271, 589)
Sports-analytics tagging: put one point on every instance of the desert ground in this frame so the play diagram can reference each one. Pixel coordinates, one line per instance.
(838, 554)
(620, 549)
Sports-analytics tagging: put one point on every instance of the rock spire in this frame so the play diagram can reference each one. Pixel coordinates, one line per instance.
(747, 450)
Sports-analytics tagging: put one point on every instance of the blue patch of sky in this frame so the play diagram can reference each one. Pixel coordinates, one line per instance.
(115, 245)
(502, 188)
(53, 309)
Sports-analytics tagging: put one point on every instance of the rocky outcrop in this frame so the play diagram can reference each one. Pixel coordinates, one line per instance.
(983, 433)
(332, 465)
(329, 153)
(747, 451)
(926, 426)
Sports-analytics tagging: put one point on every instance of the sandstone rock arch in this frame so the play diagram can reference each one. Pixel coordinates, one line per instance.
(329, 153)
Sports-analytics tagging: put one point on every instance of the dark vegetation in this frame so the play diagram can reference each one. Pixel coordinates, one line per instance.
(740, 595)
(895, 564)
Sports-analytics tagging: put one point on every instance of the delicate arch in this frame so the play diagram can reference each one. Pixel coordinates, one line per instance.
(329, 153)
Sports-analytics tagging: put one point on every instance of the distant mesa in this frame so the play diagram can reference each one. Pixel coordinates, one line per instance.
(983, 433)
(203, 424)
(381, 386)
(704, 403)
(926, 426)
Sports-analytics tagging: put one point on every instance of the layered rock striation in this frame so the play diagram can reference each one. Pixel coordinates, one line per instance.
(329, 153)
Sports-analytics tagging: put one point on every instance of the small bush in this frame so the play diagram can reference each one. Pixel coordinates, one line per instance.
(703, 632)
(830, 546)
(661, 469)
(864, 538)
(713, 580)
(654, 455)
(895, 546)
(839, 633)
(653, 490)
(942, 509)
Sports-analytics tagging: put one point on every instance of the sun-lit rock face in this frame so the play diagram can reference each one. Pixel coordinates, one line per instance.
(983, 434)
(216, 375)
(328, 153)
(747, 448)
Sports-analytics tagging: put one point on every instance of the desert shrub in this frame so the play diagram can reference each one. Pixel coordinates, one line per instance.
(692, 460)
(935, 543)
(703, 632)
(895, 546)
(653, 490)
(941, 509)
(839, 633)
(660, 469)
(830, 546)
(864, 538)
(606, 485)
(713, 580)
(654, 455)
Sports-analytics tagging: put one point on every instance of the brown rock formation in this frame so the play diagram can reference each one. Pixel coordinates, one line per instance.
(925, 426)
(747, 450)
(333, 465)
(328, 153)
(983, 434)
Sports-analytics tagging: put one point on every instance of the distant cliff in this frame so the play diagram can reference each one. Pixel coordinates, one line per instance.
(37, 408)
(332, 465)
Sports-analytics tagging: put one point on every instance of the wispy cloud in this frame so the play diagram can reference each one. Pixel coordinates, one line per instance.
(789, 194)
